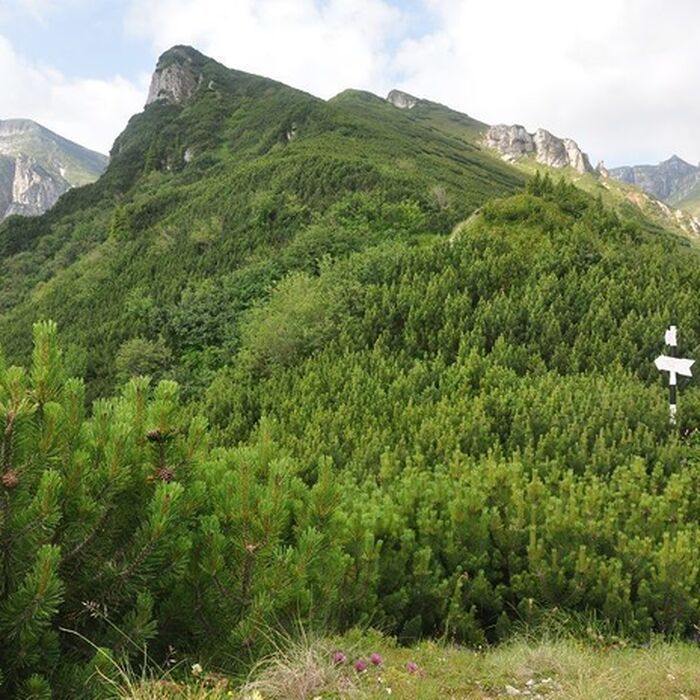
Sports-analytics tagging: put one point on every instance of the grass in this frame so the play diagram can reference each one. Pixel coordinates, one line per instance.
(551, 669)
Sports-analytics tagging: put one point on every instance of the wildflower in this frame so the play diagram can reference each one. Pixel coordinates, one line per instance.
(339, 658)
(412, 667)
(376, 659)
(196, 669)
(361, 665)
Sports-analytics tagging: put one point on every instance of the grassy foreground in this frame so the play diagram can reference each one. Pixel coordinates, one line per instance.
(543, 669)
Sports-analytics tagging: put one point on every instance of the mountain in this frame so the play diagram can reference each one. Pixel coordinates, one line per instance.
(688, 198)
(395, 381)
(230, 179)
(673, 181)
(439, 118)
(541, 151)
(228, 182)
(38, 166)
(515, 142)
(665, 180)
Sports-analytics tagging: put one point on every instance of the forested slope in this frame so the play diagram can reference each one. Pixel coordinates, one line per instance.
(206, 204)
(416, 393)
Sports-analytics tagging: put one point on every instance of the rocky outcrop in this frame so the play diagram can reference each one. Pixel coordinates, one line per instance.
(402, 100)
(514, 142)
(670, 180)
(34, 190)
(38, 166)
(176, 77)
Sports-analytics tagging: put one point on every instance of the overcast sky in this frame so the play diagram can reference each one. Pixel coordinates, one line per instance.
(619, 76)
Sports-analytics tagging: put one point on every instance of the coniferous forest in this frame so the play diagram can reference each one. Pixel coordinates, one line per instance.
(333, 362)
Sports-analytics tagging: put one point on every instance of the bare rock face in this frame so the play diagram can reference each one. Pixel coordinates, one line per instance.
(550, 150)
(402, 100)
(34, 190)
(37, 166)
(513, 142)
(175, 79)
(667, 181)
(577, 159)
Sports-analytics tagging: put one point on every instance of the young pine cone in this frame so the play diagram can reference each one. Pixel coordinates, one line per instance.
(154, 436)
(165, 474)
(159, 436)
(10, 479)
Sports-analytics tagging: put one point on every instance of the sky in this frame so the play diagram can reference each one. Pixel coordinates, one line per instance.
(621, 77)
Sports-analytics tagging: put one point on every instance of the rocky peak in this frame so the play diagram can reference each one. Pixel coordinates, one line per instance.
(176, 77)
(514, 141)
(677, 162)
(17, 127)
(666, 181)
(37, 166)
(402, 100)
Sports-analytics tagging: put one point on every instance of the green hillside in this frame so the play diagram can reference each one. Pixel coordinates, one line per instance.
(690, 201)
(628, 200)
(394, 383)
(134, 255)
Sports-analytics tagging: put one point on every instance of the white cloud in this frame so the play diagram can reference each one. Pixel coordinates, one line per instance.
(90, 112)
(320, 47)
(619, 76)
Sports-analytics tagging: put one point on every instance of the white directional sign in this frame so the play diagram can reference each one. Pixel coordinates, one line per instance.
(675, 365)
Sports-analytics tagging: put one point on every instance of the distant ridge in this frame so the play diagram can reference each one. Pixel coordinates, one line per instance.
(37, 166)
(674, 181)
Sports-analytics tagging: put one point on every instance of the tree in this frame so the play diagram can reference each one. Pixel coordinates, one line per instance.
(142, 357)
(94, 518)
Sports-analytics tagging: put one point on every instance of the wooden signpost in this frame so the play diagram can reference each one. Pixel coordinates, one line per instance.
(675, 366)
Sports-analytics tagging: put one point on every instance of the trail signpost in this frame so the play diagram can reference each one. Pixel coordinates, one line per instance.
(675, 366)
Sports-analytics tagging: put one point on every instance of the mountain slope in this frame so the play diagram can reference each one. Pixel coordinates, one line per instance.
(673, 181)
(37, 166)
(543, 152)
(419, 392)
(217, 197)
(688, 198)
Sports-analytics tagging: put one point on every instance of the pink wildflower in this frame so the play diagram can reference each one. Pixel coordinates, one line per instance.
(360, 665)
(339, 658)
(376, 659)
(412, 667)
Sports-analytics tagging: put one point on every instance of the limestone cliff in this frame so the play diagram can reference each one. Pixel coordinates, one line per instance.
(514, 142)
(176, 77)
(402, 100)
(37, 166)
